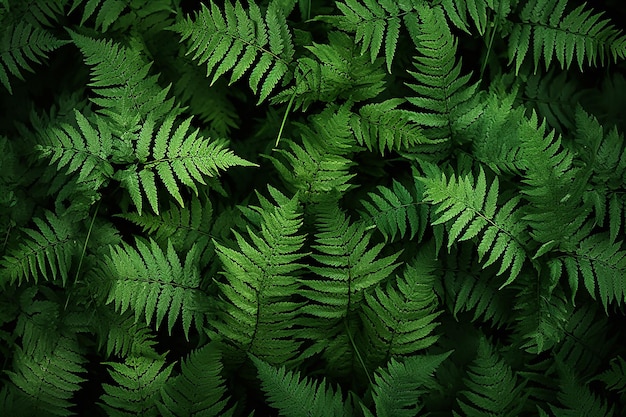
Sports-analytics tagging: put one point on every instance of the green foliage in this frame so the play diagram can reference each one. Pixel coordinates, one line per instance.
(295, 207)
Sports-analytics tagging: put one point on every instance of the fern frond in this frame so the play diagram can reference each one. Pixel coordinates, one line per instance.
(481, 13)
(260, 274)
(554, 187)
(600, 264)
(399, 385)
(154, 284)
(376, 23)
(446, 101)
(396, 211)
(241, 42)
(384, 126)
(174, 157)
(581, 34)
(492, 387)
(470, 210)
(468, 288)
(51, 378)
(183, 226)
(300, 397)
(399, 318)
(542, 312)
(138, 383)
(85, 150)
(199, 390)
(47, 252)
(20, 44)
(577, 399)
(122, 335)
(615, 377)
(337, 71)
(120, 77)
(37, 13)
(346, 266)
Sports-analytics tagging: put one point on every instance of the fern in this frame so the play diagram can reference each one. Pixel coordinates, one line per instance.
(398, 386)
(471, 209)
(376, 22)
(47, 253)
(260, 280)
(21, 43)
(578, 399)
(383, 126)
(49, 379)
(86, 152)
(139, 381)
(581, 34)
(600, 265)
(108, 12)
(199, 389)
(399, 318)
(181, 156)
(336, 72)
(615, 377)
(396, 211)
(120, 77)
(443, 95)
(296, 397)
(492, 387)
(154, 284)
(236, 39)
(481, 13)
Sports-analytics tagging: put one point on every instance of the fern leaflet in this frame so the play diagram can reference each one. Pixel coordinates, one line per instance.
(139, 381)
(470, 209)
(154, 284)
(19, 43)
(199, 390)
(581, 34)
(296, 397)
(260, 282)
(234, 40)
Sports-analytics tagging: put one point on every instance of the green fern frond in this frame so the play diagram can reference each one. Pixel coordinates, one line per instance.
(587, 340)
(542, 312)
(50, 379)
(174, 157)
(445, 100)
(396, 211)
(138, 383)
(554, 187)
(346, 266)
(481, 12)
(37, 13)
(577, 399)
(376, 22)
(384, 126)
(122, 335)
(294, 396)
(85, 150)
(121, 78)
(154, 284)
(241, 42)
(492, 387)
(470, 210)
(199, 390)
(47, 252)
(260, 281)
(183, 226)
(600, 264)
(399, 318)
(581, 34)
(399, 385)
(468, 288)
(108, 11)
(20, 44)
(336, 71)
(615, 377)
(553, 96)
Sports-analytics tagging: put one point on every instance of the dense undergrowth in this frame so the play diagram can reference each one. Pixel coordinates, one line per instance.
(312, 208)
